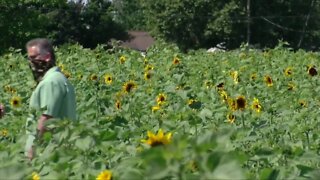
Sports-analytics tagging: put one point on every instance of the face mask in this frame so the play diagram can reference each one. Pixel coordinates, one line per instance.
(39, 68)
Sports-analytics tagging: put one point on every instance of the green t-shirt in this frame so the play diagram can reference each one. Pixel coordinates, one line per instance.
(55, 96)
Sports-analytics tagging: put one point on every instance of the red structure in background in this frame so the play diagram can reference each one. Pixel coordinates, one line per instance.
(139, 40)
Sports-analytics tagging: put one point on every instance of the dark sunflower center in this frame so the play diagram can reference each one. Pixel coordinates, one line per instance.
(313, 71)
(231, 117)
(15, 102)
(129, 87)
(241, 103)
(118, 105)
(269, 80)
(156, 143)
(161, 98)
(220, 85)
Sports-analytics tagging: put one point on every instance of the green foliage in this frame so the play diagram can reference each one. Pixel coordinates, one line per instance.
(279, 142)
(194, 24)
(130, 14)
(203, 24)
(56, 19)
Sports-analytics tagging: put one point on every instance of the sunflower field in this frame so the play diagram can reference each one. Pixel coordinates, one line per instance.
(241, 114)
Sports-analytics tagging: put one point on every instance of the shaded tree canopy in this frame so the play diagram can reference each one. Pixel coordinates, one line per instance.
(59, 20)
(188, 23)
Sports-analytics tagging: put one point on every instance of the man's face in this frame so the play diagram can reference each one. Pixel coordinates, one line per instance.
(35, 55)
(39, 62)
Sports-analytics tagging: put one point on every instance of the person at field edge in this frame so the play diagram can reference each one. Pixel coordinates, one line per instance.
(54, 95)
(2, 110)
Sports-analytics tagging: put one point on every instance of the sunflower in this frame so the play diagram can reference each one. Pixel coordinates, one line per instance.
(122, 59)
(161, 98)
(147, 75)
(232, 104)
(4, 133)
(148, 67)
(118, 104)
(61, 66)
(253, 76)
(220, 86)
(35, 176)
(80, 76)
(291, 86)
(288, 71)
(66, 73)
(268, 81)
(157, 139)
(256, 105)
(231, 118)
(312, 71)
(145, 61)
(208, 84)
(108, 79)
(235, 76)
(176, 61)
(93, 77)
(104, 175)
(10, 89)
(15, 101)
(155, 108)
(223, 95)
(240, 103)
(129, 86)
(303, 103)
(7, 88)
(191, 101)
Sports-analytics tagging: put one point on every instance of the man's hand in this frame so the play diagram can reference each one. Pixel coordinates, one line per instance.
(2, 110)
(30, 153)
(41, 122)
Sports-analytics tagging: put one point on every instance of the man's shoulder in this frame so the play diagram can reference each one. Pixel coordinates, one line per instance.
(55, 76)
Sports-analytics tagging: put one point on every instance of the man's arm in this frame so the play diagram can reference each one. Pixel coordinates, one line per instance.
(41, 121)
(41, 130)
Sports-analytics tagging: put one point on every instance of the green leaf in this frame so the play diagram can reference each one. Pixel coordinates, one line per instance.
(13, 171)
(304, 169)
(268, 174)
(205, 113)
(85, 143)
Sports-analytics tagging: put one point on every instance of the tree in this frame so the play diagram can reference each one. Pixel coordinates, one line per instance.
(130, 14)
(195, 24)
(62, 21)
(203, 23)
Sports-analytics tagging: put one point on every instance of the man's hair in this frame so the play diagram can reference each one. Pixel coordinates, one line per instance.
(44, 45)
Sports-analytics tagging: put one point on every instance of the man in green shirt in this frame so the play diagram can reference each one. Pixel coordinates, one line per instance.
(54, 96)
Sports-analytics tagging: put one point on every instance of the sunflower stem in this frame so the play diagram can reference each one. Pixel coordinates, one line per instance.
(196, 130)
(308, 140)
(242, 119)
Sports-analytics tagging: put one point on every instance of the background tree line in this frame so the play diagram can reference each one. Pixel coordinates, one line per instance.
(188, 23)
